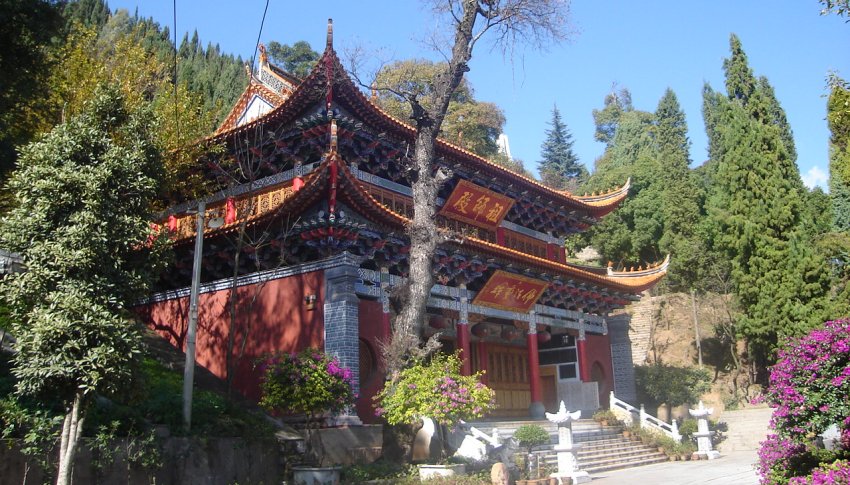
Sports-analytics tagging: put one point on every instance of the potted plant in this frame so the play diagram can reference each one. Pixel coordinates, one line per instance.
(312, 384)
(435, 389)
(605, 417)
(529, 436)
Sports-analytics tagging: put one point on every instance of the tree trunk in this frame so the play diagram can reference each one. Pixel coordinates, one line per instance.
(72, 428)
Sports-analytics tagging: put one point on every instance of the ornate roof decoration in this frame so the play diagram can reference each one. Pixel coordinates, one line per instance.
(330, 80)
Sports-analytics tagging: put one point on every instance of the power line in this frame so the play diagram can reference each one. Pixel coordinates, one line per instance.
(259, 34)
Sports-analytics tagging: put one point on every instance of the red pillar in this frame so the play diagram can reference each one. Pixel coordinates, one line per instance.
(583, 361)
(534, 366)
(483, 361)
(463, 347)
(500, 236)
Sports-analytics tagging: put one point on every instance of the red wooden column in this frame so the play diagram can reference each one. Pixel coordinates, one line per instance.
(583, 360)
(535, 410)
(483, 361)
(462, 329)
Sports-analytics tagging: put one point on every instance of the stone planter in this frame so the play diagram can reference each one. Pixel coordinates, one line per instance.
(320, 475)
(432, 471)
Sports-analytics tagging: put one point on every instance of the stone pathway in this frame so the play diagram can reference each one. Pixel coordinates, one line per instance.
(734, 468)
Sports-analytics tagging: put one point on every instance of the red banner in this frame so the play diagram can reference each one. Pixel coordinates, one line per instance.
(511, 292)
(476, 205)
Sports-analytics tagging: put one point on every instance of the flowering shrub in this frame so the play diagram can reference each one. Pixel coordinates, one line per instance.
(810, 383)
(436, 390)
(837, 473)
(810, 389)
(775, 458)
(310, 383)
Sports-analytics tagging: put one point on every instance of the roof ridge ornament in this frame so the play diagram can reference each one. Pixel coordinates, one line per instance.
(330, 41)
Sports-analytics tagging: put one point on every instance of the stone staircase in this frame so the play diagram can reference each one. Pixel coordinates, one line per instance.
(602, 448)
(746, 428)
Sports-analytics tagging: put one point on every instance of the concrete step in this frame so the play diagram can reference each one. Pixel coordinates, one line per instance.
(601, 448)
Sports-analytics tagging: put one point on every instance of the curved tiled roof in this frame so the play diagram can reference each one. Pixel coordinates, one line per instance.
(315, 86)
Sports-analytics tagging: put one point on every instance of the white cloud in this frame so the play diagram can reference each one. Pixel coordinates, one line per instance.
(816, 177)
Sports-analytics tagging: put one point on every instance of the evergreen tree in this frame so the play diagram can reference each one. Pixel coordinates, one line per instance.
(81, 225)
(629, 236)
(559, 167)
(680, 198)
(838, 116)
(607, 119)
(297, 59)
(26, 40)
(756, 210)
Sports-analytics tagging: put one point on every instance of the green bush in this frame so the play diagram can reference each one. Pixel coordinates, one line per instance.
(531, 435)
(671, 385)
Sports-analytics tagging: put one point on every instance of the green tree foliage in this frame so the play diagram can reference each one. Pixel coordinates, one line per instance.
(82, 197)
(608, 118)
(469, 123)
(629, 235)
(217, 78)
(671, 385)
(757, 213)
(90, 13)
(560, 167)
(681, 200)
(297, 59)
(838, 117)
(29, 28)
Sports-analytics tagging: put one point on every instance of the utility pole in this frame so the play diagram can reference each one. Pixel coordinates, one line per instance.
(189, 369)
(696, 326)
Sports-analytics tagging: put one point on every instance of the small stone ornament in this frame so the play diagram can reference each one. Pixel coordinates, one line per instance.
(566, 449)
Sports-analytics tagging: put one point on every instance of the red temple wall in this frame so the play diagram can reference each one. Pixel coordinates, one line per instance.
(373, 329)
(273, 313)
(598, 353)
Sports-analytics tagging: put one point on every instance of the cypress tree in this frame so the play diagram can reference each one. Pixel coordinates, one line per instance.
(559, 167)
(838, 116)
(756, 208)
(680, 204)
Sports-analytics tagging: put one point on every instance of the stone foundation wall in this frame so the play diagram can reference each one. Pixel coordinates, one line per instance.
(213, 461)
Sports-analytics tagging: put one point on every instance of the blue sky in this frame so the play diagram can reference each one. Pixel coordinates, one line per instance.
(644, 46)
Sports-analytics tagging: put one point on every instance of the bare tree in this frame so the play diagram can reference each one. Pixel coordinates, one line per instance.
(538, 22)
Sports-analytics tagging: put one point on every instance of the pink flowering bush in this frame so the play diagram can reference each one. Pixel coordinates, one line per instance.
(810, 389)
(810, 383)
(436, 390)
(310, 383)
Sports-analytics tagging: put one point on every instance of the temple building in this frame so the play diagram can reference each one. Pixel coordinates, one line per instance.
(312, 242)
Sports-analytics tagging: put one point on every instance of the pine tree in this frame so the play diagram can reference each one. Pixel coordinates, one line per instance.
(559, 167)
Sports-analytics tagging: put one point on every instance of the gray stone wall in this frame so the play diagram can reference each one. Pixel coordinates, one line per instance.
(341, 314)
(621, 356)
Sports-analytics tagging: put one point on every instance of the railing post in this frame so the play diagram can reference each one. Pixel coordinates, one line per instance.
(642, 416)
(675, 431)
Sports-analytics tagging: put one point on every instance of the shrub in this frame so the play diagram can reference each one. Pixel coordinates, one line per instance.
(671, 385)
(605, 415)
(810, 383)
(436, 390)
(531, 435)
(809, 387)
(310, 383)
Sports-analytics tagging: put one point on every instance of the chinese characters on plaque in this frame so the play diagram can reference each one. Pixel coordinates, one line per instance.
(511, 292)
(476, 205)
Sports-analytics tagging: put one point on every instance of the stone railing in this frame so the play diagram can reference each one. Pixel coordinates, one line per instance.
(628, 414)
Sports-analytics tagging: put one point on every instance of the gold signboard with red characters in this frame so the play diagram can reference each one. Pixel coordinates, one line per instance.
(511, 292)
(476, 205)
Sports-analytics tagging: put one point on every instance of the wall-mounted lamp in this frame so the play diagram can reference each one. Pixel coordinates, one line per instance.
(310, 302)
